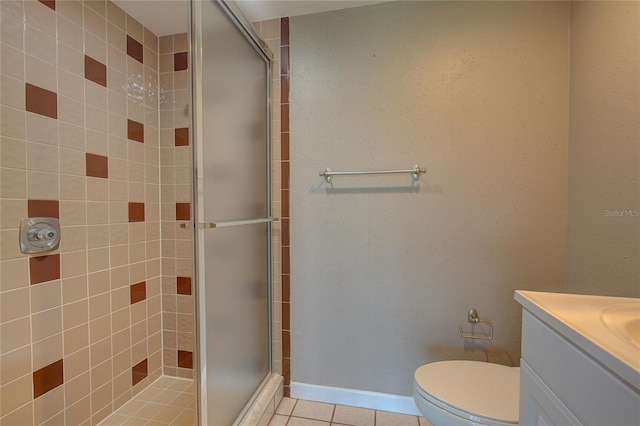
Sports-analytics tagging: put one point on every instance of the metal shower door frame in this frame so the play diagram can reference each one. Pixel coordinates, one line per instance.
(197, 209)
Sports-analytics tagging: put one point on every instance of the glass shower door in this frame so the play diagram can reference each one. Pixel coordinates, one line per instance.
(231, 103)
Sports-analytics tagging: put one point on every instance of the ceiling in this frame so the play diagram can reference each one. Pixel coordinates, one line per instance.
(165, 17)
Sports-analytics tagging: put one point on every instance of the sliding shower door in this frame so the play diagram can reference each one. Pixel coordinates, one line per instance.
(231, 129)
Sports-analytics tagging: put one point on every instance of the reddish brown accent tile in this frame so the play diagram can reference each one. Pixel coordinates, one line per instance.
(95, 71)
(136, 212)
(183, 285)
(180, 61)
(284, 89)
(286, 344)
(138, 292)
(49, 3)
(285, 202)
(285, 260)
(48, 378)
(286, 322)
(284, 31)
(181, 136)
(285, 232)
(41, 101)
(185, 359)
(135, 49)
(284, 146)
(183, 211)
(139, 371)
(286, 287)
(284, 169)
(135, 131)
(284, 118)
(43, 208)
(97, 165)
(286, 371)
(284, 60)
(44, 268)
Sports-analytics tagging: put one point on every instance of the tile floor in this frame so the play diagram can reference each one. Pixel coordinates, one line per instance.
(296, 412)
(171, 401)
(167, 401)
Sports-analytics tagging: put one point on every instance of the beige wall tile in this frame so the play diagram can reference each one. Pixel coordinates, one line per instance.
(11, 211)
(14, 304)
(99, 258)
(12, 61)
(77, 388)
(99, 329)
(41, 17)
(99, 283)
(76, 341)
(46, 296)
(72, 187)
(11, 31)
(13, 122)
(75, 314)
(21, 416)
(15, 364)
(13, 153)
(121, 344)
(77, 362)
(99, 306)
(46, 324)
(75, 238)
(97, 213)
(47, 351)
(79, 412)
(40, 45)
(69, 33)
(15, 394)
(12, 92)
(74, 289)
(101, 374)
(74, 263)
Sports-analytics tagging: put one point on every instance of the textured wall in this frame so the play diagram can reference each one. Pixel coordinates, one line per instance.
(383, 270)
(603, 241)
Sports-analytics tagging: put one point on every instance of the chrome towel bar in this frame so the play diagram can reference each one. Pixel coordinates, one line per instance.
(210, 225)
(416, 171)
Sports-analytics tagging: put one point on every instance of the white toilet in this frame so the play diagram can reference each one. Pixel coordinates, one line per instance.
(467, 393)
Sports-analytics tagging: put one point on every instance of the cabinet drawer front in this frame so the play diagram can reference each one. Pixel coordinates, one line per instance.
(538, 405)
(594, 394)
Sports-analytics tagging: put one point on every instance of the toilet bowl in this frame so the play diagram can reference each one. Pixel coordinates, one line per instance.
(467, 393)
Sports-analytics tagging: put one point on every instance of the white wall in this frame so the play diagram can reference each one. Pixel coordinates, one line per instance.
(383, 271)
(603, 255)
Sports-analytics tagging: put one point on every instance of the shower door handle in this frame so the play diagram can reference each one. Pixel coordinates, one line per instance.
(211, 225)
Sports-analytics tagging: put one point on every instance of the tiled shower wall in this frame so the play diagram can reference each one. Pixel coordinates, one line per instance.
(80, 327)
(175, 176)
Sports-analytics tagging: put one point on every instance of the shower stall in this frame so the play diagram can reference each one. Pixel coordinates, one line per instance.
(231, 92)
(141, 157)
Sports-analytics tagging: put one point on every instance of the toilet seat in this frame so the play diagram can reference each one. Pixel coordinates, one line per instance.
(477, 391)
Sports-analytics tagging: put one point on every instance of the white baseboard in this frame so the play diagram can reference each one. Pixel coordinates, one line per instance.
(355, 398)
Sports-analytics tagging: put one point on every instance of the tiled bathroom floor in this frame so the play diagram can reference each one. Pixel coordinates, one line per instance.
(296, 412)
(167, 401)
(171, 401)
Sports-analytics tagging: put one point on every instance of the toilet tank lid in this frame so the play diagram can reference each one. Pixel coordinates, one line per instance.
(481, 388)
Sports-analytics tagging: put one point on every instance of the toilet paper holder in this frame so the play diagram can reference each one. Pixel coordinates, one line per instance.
(473, 318)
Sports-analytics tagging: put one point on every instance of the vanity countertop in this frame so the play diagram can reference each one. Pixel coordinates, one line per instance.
(596, 324)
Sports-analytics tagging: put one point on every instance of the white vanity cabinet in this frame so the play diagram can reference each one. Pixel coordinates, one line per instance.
(573, 370)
